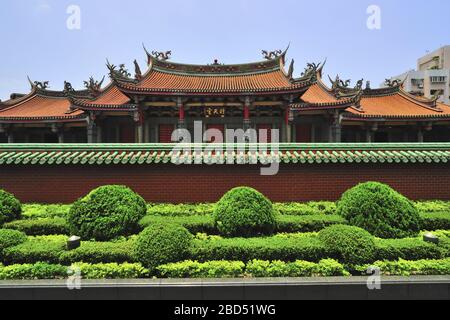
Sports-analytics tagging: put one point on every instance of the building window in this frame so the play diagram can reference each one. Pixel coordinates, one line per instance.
(436, 93)
(439, 79)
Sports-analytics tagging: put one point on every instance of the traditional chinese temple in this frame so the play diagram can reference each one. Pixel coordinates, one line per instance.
(148, 106)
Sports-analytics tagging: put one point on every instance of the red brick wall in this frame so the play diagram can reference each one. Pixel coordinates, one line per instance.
(176, 184)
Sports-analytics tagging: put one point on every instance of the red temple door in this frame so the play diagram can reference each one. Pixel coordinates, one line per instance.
(165, 133)
(268, 128)
(303, 133)
(219, 127)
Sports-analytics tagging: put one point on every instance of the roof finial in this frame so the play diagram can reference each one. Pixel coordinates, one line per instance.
(149, 56)
(38, 85)
(291, 69)
(272, 55)
(137, 70)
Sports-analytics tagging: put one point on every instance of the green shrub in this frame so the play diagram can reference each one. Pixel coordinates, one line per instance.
(195, 224)
(307, 223)
(325, 207)
(244, 212)
(308, 248)
(411, 268)
(408, 249)
(304, 209)
(106, 213)
(295, 209)
(380, 210)
(10, 238)
(41, 211)
(100, 252)
(287, 224)
(10, 207)
(40, 227)
(297, 269)
(161, 244)
(38, 271)
(44, 271)
(111, 271)
(194, 269)
(178, 210)
(435, 220)
(352, 244)
(432, 206)
(37, 249)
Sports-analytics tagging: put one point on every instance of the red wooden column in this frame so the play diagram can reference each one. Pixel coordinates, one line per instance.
(181, 114)
(247, 113)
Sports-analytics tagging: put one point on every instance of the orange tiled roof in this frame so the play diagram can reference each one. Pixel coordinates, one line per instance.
(167, 77)
(37, 108)
(317, 94)
(110, 97)
(398, 105)
(157, 80)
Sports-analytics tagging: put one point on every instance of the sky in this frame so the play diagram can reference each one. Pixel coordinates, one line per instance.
(59, 40)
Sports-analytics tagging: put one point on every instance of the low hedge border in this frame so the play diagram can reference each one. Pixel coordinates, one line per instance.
(205, 224)
(285, 224)
(185, 269)
(40, 227)
(410, 268)
(45, 271)
(285, 247)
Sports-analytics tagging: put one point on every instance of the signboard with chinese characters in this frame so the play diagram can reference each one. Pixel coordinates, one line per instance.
(214, 112)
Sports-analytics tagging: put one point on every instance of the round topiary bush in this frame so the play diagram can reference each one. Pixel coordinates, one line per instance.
(10, 207)
(381, 210)
(352, 245)
(106, 213)
(244, 212)
(11, 238)
(161, 244)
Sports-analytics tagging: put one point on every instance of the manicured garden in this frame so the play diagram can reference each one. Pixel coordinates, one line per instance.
(242, 235)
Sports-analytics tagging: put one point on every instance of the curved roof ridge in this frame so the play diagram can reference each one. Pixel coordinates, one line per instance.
(275, 64)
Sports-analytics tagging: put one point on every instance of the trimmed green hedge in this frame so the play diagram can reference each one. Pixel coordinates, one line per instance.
(410, 268)
(287, 224)
(46, 271)
(100, 252)
(194, 269)
(255, 269)
(308, 223)
(205, 224)
(195, 224)
(308, 248)
(37, 249)
(10, 238)
(325, 268)
(310, 208)
(40, 227)
(177, 210)
(408, 249)
(41, 211)
(431, 221)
